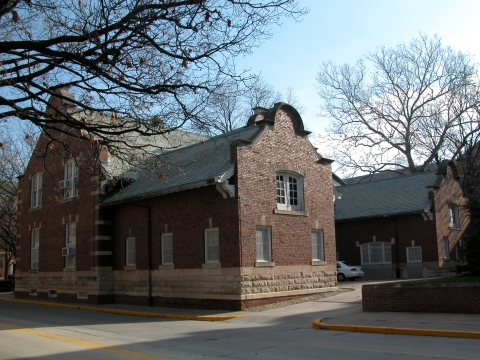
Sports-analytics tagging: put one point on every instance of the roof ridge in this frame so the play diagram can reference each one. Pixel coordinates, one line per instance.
(213, 138)
(422, 173)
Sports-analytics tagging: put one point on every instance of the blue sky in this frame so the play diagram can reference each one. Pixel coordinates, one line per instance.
(342, 31)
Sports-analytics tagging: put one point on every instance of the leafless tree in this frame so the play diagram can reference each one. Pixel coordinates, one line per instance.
(15, 149)
(400, 108)
(127, 61)
(231, 105)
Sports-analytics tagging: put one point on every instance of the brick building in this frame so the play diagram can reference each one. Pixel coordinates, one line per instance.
(409, 226)
(238, 220)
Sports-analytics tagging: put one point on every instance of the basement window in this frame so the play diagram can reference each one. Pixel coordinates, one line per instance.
(82, 295)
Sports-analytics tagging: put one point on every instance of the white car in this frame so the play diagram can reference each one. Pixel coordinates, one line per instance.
(350, 272)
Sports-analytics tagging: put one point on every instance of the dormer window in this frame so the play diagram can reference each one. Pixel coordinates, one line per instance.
(36, 195)
(289, 191)
(70, 182)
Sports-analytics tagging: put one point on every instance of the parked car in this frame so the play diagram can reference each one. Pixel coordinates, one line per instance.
(346, 271)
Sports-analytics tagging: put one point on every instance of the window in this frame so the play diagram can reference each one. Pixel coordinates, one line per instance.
(289, 192)
(317, 245)
(376, 253)
(36, 197)
(130, 251)
(453, 216)
(414, 254)
(35, 239)
(264, 244)
(70, 244)
(167, 249)
(212, 250)
(446, 248)
(70, 182)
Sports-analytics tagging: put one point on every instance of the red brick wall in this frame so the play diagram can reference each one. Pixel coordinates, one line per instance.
(410, 227)
(283, 149)
(187, 215)
(49, 158)
(450, 191)
(428, 298)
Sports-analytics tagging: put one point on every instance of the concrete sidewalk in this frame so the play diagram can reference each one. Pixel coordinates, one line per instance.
(427, 324)
(339, 313)
(155, 312)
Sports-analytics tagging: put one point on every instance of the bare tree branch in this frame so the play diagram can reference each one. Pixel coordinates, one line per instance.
(130, 60)
(400, 108)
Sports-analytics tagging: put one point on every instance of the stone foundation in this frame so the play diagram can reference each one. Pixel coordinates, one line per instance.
(211, 288)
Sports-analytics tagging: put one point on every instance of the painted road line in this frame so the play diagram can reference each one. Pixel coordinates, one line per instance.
(128, 312)
(317, 324)
(86, 344)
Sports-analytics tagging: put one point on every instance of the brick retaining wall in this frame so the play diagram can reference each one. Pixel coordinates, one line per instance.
(422, 298)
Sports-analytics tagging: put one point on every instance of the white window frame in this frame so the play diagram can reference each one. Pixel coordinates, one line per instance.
(70, 242)
(318, 247)
(212, 246)
(130, 251)
(167, 249)
(289, 190)
(264, 244)
(36, 191)
(35, 246)
(366, 256)
(71, 173)
(453, 216)
(414, 254)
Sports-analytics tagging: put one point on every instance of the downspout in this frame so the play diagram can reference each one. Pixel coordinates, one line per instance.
(149, 251)
(397, 246)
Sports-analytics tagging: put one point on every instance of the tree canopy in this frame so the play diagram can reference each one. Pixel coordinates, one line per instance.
(14, 154)
(130, 61)
(400, 108)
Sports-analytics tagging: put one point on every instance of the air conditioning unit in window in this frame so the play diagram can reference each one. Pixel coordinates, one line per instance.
(65, 184)
(35, 265)
(68, 251)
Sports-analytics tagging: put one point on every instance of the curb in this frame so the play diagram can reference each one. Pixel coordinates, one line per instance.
(317, 324)
(129, 312)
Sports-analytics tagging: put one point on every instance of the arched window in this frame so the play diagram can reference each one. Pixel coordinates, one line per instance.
(376, 253)
(36, 195)
(289, 191)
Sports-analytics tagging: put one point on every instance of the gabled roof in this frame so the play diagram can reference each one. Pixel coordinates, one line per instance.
(387, 174)
(387, 197)
(185, 168)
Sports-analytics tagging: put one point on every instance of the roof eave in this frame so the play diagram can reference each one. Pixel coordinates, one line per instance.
(379, 216)
(171, 190)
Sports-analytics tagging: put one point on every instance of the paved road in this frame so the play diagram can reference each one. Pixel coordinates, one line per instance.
(39, 332)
